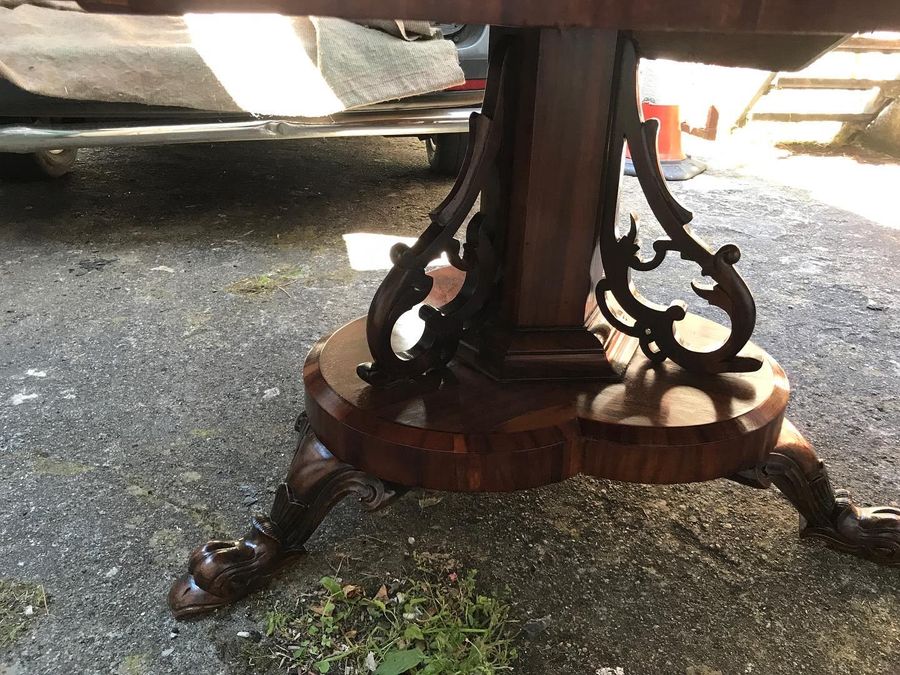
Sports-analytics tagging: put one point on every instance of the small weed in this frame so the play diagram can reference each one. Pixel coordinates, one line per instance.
(432, 623)
(20, 604)
(205, 433)
(134, 664)
(266, 283)
(46, 466)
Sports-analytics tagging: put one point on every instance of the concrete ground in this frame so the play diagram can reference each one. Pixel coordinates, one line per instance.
(144, 409)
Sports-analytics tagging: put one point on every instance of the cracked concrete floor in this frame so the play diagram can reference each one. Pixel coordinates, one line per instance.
(144, 409)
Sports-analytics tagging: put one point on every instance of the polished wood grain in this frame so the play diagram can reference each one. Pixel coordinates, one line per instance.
(727, 16)
(462, 431)
(548, 181)
(541, 210)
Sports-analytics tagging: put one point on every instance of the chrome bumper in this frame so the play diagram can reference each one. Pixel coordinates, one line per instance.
(376, 121)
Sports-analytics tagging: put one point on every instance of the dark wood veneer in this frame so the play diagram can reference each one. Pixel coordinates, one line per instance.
(461, 431)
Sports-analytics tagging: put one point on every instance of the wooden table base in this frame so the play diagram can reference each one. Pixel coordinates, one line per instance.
(506, 385)
(659, 425)
(464, 431)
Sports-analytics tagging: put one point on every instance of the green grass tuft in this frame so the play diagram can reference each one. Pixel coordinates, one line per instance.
(15, 617)
(433, 622)
(266, 283)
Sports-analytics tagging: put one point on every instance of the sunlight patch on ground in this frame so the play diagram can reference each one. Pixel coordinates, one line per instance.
(850, 182)
(368, 251)
(868, 190)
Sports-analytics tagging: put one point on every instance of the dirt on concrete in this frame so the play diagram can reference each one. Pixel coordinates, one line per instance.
(145, 407)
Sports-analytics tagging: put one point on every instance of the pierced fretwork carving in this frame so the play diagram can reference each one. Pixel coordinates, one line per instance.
(407, 284)
(654, 325)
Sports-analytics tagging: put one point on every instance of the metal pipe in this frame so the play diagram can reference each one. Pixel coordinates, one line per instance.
(31, 138)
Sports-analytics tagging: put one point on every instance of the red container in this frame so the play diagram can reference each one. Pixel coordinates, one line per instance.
(668, 141)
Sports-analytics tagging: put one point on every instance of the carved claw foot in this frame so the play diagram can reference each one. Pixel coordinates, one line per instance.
(220, 572)
(872, 533)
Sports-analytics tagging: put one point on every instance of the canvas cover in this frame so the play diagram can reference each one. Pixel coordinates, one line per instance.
(265, 64)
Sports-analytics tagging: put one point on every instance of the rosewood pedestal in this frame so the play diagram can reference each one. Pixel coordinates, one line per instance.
(508, 382)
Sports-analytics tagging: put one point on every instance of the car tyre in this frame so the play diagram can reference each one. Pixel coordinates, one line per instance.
(446, 153)
(37, 165)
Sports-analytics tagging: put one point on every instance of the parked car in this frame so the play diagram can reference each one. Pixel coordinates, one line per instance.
(40, 136)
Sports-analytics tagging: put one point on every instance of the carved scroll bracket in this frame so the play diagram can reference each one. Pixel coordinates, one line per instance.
(654, 325)
(407, 284)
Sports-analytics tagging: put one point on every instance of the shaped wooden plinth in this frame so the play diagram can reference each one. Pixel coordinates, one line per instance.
(460, 430)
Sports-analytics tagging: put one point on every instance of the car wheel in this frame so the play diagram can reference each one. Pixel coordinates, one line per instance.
(37, 165)
(446, 153)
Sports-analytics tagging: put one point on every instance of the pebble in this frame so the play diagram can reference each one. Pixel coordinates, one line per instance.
(19, 399)
(535, 627)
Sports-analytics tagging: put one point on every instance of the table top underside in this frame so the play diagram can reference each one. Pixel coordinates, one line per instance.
(765, 34)
(724, 16)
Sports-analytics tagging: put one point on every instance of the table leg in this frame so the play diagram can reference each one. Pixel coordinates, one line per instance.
(827, 514)
(220, 572)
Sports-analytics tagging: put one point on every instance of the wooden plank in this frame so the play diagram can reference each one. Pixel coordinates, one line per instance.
(811, 117)
(867, 44)
(725, 16)
(829, 83)
(762, 91)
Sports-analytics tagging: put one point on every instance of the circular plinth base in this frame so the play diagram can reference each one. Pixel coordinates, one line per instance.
(462, 431)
